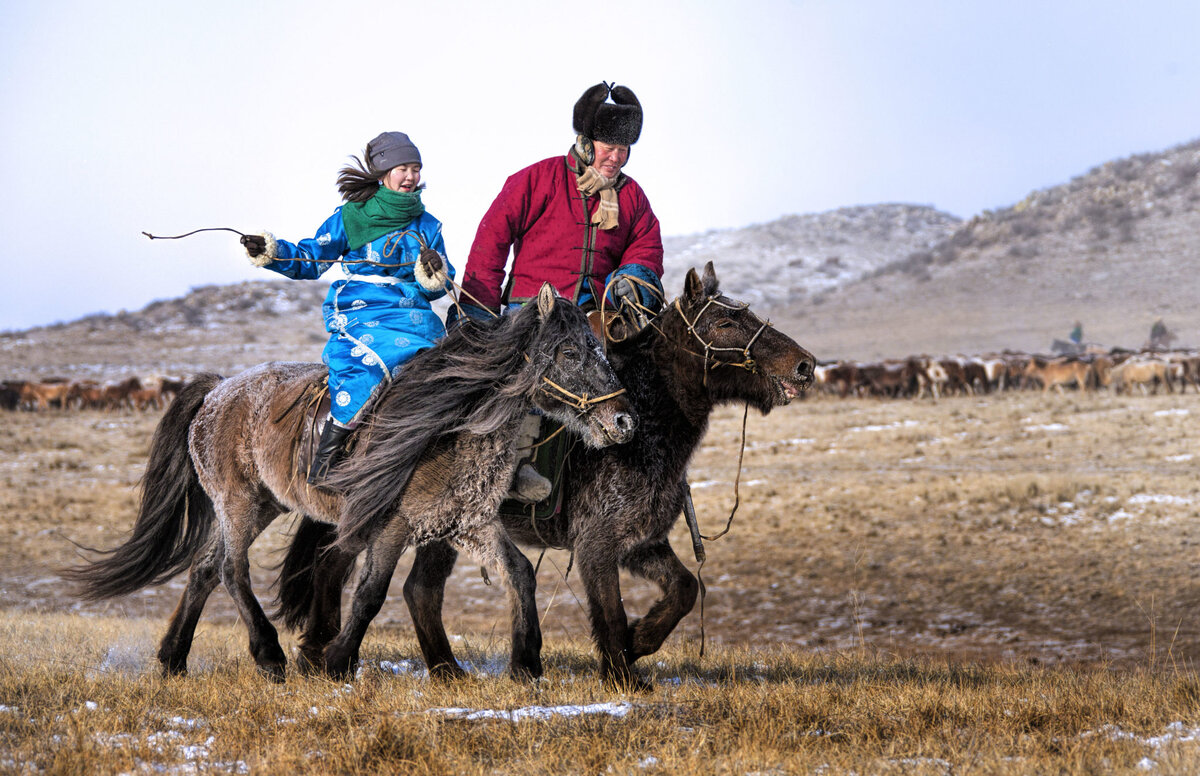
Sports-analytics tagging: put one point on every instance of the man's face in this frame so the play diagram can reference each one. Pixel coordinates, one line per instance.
(609, 158)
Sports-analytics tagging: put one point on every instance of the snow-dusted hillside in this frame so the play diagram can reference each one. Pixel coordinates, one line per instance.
(797, 256)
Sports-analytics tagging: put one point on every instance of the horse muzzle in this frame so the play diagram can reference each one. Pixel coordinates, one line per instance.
(790, 386)
(613, 425)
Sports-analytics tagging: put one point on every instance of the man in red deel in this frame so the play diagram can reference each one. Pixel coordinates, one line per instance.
(576, 221)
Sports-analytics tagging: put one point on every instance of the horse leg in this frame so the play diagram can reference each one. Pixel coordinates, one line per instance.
(325, 609)
(242, 520)
(341, 654)
(203, 576)
(610, 627)
(659, 564)
(423, 592)
(490, 544)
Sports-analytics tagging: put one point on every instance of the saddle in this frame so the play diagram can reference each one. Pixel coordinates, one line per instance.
(312, 405)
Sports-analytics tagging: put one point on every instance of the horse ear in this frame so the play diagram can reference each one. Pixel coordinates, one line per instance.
(693, 291)
(546, 297)
(710, 280)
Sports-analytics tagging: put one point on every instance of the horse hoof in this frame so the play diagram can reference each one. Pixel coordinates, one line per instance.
(628, 683)
(309, 665)
(339, 668)
(337, 672)
(447, 672)
(525, 674)
(169, 670)
(273, 672)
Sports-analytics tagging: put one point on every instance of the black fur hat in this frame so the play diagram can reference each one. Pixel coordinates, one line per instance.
(618, 122)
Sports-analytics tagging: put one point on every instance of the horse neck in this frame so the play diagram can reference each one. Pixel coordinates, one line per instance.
(680, 372)
(669, 394)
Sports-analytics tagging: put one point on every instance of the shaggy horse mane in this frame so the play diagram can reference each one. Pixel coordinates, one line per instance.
(474, 380)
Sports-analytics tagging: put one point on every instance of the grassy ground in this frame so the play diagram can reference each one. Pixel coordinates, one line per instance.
(1003, 584)
(739, 710)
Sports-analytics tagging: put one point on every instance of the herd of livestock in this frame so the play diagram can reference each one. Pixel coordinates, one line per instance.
(1117, 370)
(131, 393)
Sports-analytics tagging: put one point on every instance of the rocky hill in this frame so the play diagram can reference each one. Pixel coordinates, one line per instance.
(784, 262)
(213, 328)
(1114, 248)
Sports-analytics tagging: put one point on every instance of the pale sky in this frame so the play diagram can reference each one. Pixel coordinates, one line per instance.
(130, 116)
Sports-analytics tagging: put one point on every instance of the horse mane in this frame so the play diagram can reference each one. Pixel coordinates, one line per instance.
(473, 381)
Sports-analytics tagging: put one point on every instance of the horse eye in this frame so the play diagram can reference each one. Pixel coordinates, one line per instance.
(570, 353)
(724, 323)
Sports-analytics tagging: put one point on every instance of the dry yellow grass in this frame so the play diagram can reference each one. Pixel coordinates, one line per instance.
(1004, 584)
(739, 710)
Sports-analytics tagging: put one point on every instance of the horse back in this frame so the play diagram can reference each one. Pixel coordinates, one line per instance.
(254, 428)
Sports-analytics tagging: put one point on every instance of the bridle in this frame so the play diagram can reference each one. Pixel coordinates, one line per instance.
(748, 363)
(582, 404)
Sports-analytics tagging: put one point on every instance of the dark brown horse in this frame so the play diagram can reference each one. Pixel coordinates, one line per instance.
(432, 464)
(621, 502)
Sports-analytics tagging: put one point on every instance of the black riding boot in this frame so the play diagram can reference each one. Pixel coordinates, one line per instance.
(329, 449)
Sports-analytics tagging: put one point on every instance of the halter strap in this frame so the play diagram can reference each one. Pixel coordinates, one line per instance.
(748, 363)
(582, 403)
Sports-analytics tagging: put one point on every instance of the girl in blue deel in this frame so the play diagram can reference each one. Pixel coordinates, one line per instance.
(379, 316)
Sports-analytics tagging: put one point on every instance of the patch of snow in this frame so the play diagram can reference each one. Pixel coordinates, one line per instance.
(1147, 498)
(618, 709)
(1048, 427)
(888, 426)
(409, 667)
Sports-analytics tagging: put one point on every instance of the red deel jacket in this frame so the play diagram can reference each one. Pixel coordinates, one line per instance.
(542, 216)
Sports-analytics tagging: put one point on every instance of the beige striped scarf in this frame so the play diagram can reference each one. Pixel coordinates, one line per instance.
(590, 182)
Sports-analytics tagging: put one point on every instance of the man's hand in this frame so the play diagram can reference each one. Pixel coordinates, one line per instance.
(623, 291)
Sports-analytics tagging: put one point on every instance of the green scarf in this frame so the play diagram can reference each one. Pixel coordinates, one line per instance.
(386, 211)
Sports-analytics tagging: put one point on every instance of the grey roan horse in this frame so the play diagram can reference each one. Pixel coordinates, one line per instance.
(621, 502)
(432, 464)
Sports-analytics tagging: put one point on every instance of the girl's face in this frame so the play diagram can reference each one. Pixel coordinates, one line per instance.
(403, 177)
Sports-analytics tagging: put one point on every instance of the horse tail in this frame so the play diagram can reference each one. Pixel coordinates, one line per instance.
(298, 572)
(175, 516)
